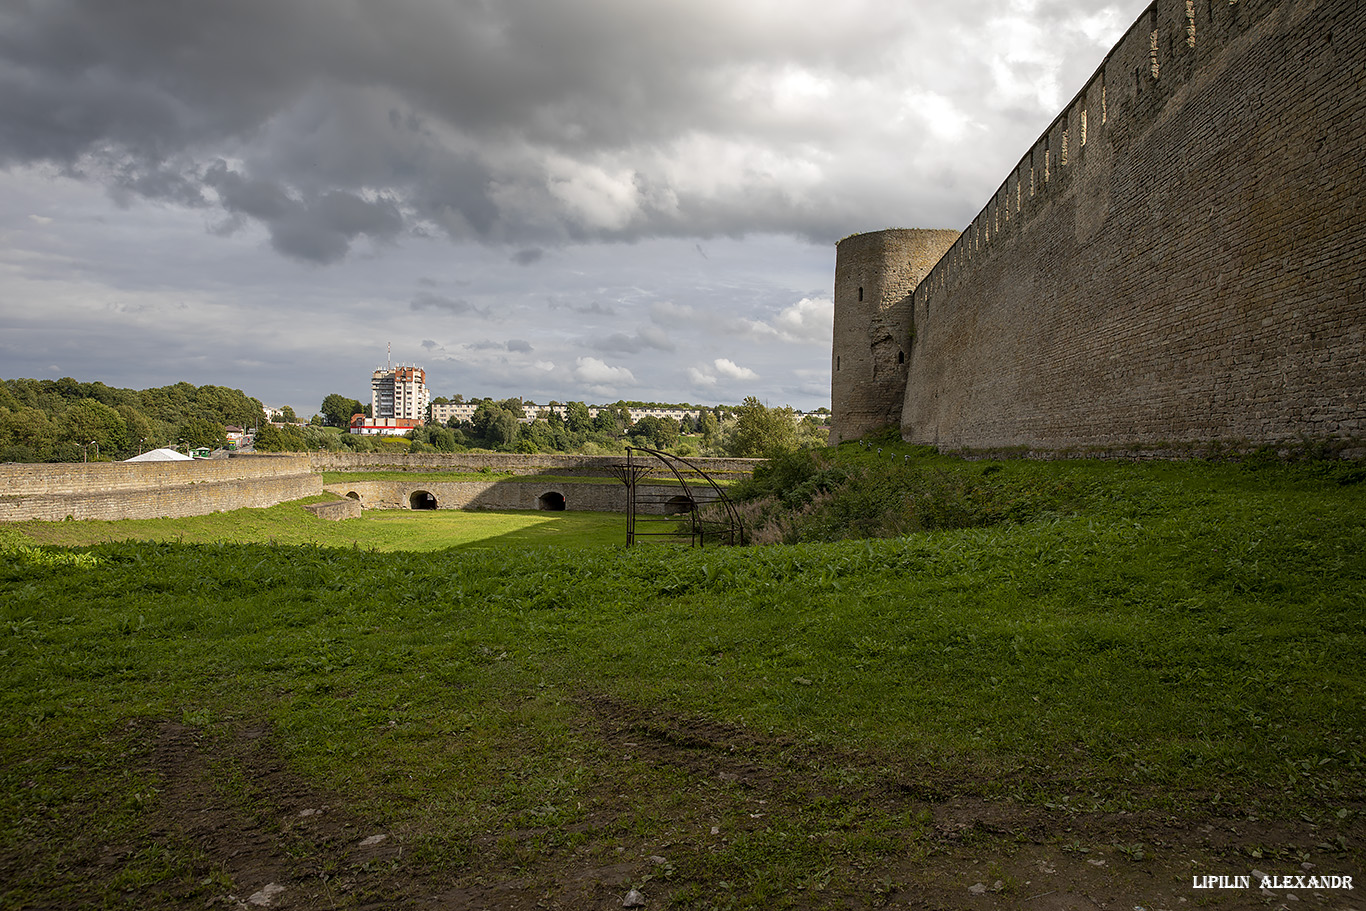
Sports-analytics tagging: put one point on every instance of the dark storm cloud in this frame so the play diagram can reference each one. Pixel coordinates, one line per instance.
(515, 122)
(319, 229)
(528, 256)
(519, 345)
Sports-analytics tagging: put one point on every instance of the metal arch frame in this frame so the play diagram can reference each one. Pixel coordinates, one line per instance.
(630, 475)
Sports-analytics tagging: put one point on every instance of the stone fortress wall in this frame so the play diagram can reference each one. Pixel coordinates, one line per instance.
(148, 490)
(555, 494)
(1179, 258)
(872, 333)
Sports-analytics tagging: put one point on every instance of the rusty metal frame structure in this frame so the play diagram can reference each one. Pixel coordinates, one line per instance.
(731, 530)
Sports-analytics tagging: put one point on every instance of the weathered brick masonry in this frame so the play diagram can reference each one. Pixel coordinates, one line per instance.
(149, 490)
(1179, 258)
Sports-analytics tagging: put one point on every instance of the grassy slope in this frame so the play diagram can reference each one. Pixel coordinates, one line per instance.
(1195, 633)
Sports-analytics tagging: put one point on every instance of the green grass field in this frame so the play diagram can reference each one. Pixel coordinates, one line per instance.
(381, 530)
(1172, 646)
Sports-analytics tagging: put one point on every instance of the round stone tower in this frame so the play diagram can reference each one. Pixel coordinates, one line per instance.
(875, 277)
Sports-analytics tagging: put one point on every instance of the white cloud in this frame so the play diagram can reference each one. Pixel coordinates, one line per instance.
(707, 376)
(600, 373)
(734, 371)
(700, 377)
(808, 320)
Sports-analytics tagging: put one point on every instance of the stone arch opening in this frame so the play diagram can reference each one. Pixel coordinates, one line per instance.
(679, 505)
(551, 500)
(422, 499)
(353, 495)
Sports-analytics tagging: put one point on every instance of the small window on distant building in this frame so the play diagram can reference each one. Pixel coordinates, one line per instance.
(901, 357)
(837, 362)
(860, 294)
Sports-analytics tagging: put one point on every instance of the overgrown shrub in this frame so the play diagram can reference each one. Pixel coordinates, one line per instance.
(825, 496)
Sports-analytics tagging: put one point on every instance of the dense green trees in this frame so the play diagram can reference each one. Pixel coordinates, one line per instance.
(337, 410)
(64, 420)
(654, 433)
(761, 431)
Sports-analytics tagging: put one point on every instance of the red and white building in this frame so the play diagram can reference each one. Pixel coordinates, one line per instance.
(382, 426)
(398, 402)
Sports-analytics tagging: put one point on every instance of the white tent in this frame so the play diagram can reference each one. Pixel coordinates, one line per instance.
(160, 455)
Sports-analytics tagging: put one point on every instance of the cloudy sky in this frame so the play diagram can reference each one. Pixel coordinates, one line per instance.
(594, 200)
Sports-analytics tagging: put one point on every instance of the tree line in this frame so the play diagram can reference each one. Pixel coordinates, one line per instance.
(69, 421)
(749, 430)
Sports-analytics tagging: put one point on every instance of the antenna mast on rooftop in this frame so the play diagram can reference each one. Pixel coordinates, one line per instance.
(389, 358)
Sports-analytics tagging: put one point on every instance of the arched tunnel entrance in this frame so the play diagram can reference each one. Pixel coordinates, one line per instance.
(551, 500)
(676, 506)
(421, 499)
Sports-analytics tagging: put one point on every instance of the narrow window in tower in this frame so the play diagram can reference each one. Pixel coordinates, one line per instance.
(901, 357)
(1062, 158)
(860, 294)
(837, 363)
(1083, 128)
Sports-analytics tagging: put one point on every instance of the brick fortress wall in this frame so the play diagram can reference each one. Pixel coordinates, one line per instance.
(1179, 258)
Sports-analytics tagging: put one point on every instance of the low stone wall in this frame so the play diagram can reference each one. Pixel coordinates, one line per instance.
(539, 463)
(148, 490)
(505, 494)
(336, 510)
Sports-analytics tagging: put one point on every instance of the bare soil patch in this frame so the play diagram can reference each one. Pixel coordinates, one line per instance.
(265, 837)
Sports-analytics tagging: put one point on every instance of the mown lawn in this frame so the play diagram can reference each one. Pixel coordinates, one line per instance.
(1177, 639)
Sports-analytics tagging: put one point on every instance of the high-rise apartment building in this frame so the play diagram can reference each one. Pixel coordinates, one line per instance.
(399, 392)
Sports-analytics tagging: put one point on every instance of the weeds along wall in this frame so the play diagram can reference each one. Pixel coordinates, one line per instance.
(1179, 258)
(149, 490)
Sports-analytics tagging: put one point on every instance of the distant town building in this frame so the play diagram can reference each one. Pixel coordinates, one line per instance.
(399, 393)
(442, 413)
(461, 411)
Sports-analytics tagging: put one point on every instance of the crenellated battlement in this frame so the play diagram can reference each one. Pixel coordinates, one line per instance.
(1162, 49)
